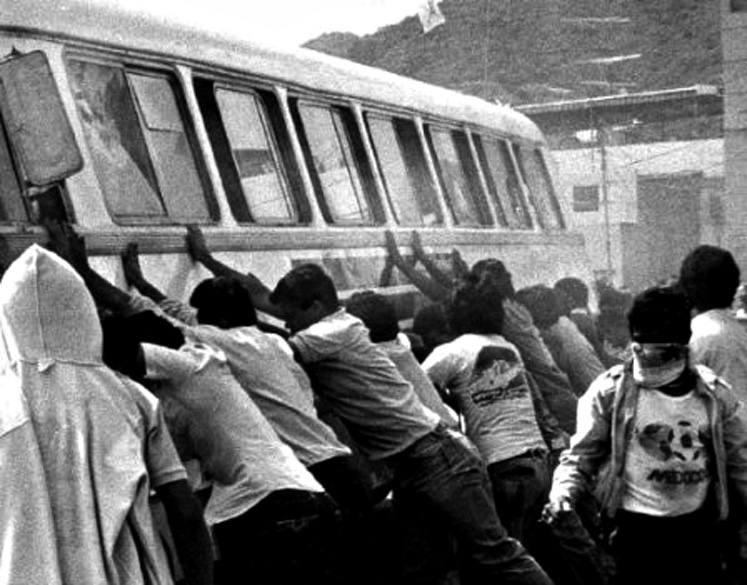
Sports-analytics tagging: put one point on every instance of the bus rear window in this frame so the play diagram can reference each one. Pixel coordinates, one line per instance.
(336, 164)
(401, 160)
(539, 184)
(502, 182)
(458, 177)
(142, 154)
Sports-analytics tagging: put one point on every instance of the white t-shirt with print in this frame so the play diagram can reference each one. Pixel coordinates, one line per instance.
(487, 378)
(666, 470)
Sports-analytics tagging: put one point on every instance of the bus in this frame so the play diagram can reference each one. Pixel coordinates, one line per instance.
(132, 127)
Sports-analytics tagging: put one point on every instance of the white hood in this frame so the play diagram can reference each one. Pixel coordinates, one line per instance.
(86, 428)
(46, 312)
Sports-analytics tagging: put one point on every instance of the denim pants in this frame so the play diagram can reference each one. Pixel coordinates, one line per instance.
(521, 485)
(683, 549)
(442, 476)
(290, 537)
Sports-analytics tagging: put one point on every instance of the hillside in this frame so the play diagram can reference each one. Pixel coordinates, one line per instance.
(521, 51)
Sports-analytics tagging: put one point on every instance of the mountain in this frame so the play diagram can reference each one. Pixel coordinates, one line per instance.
(529, 51)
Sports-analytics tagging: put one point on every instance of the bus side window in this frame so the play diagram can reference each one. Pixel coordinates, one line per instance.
(247, 154)
(335, 155)
(537, 179)
(457, 173)
(503, 184)
(142, 153)
(403, 168)
(11, 199)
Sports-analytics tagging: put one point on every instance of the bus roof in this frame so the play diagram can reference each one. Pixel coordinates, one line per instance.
(76, 20)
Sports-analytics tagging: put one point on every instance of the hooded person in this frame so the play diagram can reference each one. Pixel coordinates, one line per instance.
(86, 446)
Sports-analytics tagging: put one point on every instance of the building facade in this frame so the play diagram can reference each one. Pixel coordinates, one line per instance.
(641, 176)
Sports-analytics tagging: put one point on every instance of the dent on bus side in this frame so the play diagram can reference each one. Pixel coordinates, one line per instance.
(35, 134)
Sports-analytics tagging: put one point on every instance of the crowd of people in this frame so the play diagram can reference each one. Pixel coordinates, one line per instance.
(513, 436)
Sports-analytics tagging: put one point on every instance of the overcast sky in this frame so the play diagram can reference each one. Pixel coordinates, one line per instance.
(282, 21)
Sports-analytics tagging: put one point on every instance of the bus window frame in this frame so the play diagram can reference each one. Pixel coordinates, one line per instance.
(542, 204)
(279, 163)
(428, 191)
(478, 198)
(158, 70)
(364, 174)
(518, 220)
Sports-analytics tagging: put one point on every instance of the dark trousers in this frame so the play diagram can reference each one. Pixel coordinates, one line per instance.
(651, 550)
(290, 537)
(520, 489)
(442, 476)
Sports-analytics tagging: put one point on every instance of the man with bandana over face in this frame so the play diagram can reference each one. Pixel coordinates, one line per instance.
(665, 442)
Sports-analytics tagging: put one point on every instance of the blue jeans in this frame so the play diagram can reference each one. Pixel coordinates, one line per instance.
(442, 476)
(289, 537)
(520, 488)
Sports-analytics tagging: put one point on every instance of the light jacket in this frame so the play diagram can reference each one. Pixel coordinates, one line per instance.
(89, 520)
(596, 456)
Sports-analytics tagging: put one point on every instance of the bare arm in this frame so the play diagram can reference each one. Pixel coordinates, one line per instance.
(435, 272)
(428, 286)
(259, 292)
(72, 247)
(134, 274)
(188, 529)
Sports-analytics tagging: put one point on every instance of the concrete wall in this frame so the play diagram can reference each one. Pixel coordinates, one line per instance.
(734, 39)
(627, 166)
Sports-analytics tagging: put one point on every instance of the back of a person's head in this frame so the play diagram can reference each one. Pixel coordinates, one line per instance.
(223, 302)
(494, 271)
(575, 289)
(710, 277)
(476, 308)
(304, 285)
(147, 327)
(543, 304)
(46, 311)
(378, 314)
(660, 315)
(431, 324)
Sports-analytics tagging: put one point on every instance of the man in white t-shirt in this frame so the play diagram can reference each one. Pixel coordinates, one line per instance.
(668, 443)
(436, 470)
(485, 376)
(710, 278)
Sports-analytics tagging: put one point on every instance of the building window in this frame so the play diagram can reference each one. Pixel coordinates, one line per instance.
(585, 198)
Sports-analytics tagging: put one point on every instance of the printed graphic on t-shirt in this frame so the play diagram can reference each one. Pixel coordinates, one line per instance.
(681, 451)
(497, 376)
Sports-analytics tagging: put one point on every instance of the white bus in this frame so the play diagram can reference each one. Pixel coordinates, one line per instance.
(132, 127)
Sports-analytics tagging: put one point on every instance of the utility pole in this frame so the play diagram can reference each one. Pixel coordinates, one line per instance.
(602, 142)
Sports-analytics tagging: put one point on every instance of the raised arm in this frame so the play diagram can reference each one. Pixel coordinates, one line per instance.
(427, 285)
(434, 271)
(65, 242)
(259, 292)
(134, 274)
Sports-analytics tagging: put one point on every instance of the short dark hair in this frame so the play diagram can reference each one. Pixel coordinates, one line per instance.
(710, 277)
(476, 307)
(377, 312)
(575, 289)
(665, 310)
(495, 271)
(148, 327)
(543, 303)
(303, 285)
(223, 302)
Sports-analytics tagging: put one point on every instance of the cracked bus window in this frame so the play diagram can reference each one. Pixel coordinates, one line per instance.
(141, 153)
